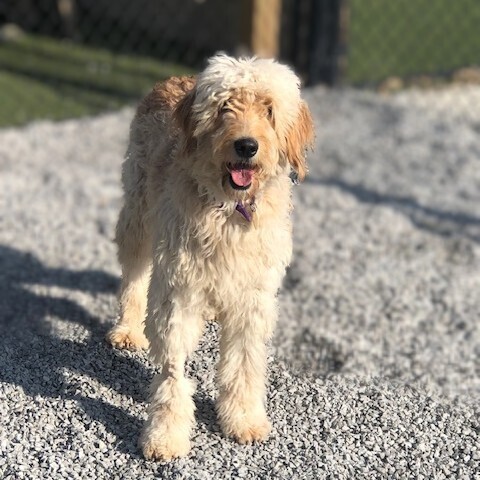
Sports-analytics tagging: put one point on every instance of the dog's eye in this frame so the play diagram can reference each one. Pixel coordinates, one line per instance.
(270, 112)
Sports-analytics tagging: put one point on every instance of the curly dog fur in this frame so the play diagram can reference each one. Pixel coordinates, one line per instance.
(205, 230)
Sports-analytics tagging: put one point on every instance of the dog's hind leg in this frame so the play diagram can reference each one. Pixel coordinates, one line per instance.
(173, 327)
(134, 253)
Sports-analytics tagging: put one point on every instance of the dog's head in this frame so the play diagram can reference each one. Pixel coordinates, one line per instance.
(244, 123)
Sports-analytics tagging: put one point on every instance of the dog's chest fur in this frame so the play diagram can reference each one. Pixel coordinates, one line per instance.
(216, 250)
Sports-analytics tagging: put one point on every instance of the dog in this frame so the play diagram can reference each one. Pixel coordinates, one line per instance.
(205, 233)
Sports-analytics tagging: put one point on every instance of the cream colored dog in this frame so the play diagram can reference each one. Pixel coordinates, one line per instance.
(205, 229)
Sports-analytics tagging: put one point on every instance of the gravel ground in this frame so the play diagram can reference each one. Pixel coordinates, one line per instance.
(374, 371)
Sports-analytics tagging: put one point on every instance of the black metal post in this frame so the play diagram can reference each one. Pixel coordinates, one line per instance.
(324, 34)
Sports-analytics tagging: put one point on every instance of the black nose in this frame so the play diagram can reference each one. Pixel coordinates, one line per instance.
(246, 147)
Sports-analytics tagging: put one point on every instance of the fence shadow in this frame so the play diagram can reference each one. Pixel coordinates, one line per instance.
(432, 219)
(35, 358)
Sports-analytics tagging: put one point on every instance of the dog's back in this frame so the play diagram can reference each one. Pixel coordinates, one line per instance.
(165, 96)
(153, 135)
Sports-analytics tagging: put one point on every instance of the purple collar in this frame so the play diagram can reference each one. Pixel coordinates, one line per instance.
(243, 211)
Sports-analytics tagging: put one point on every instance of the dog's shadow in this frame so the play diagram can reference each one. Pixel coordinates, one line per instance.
(36, 358)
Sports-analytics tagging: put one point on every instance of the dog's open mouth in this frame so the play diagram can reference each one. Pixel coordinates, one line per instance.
(241, 175)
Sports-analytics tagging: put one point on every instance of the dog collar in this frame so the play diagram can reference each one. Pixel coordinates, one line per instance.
(242, 209)
(243, 212)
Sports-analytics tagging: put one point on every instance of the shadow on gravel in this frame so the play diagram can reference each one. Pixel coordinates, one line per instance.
(315, 355)
(434, 220)
(37, 360)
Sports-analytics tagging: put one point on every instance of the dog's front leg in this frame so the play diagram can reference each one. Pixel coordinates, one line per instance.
(242, 369)
(173, 329)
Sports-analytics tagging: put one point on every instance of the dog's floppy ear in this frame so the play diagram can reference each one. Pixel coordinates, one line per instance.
(183, 117)
(299, 138)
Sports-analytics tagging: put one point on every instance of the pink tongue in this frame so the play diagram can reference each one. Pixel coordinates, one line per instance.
(242, 177)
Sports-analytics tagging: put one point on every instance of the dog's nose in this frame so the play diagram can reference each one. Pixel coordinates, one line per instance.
(246, 147)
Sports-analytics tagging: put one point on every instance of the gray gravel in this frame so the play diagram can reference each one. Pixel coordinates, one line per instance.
(375, 366)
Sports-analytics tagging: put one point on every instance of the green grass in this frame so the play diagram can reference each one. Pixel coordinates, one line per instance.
(410, 37)
(46, 78)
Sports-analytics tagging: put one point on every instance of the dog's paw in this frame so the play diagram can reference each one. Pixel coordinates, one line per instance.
(164, 447)
(246, 429)
(123, 337)
(249, 433)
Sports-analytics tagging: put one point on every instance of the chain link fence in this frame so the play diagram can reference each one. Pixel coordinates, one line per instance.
(61, 58)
